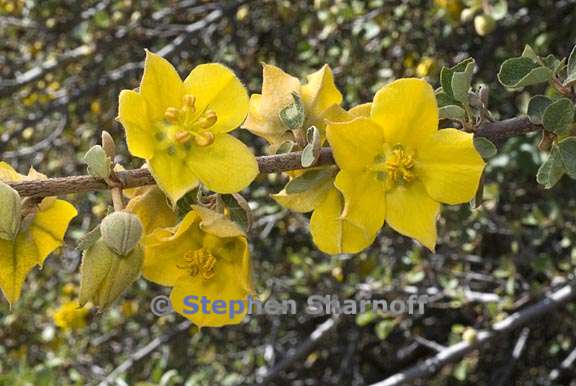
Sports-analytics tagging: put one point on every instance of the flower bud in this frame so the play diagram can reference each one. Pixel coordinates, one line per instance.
(121, 231)
(10, 212)
(484, 24)
(106, 275)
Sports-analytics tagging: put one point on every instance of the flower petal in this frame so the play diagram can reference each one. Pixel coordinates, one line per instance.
(407, 111)
(355, 143)
(331, 233)
(226, 166)
(161, 86)
(132, 113)
(277, 88)
(365, 204)
(307, 200)
(450, 167)
(49, 226)
(411, 212)
(320, 93)
(172, 175)
(228, 285)
(17, 258)
(152, 208)
(217, 88)
(362, 110)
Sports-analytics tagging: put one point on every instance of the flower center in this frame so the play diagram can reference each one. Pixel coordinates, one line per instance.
(183, 125)
(199, 262)
(394, 166)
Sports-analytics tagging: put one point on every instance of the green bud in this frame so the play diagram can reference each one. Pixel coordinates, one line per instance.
(484, 24)
(99, 165)
(121, 231)
(106, 275)
(10, 212)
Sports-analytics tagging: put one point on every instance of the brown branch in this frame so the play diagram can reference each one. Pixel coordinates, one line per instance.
(267, 164)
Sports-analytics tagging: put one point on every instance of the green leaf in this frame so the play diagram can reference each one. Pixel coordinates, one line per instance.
(309, 180)
(567, 149)
(99, 165)
(447, 73)
(485, 147)
(292, 116)
(384, 328)
(285, 147)
(553, 63)
(238, 210)
(311, 152)
(452, 112)
(558, 116)
(521, 72)
(536, 108)
(571, 68)
(89, 239)
(498, 9)
(444, 99)
(461, 82)
(529, 53)
(551, 170)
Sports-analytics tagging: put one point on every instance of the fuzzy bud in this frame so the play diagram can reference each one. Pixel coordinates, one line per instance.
(108, 145)
(10, 212)
(121, 231)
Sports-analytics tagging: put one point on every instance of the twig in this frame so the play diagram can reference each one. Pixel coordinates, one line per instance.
(565, 365)
(267, 164)
(303, 350)
(145, 351)
(459, 350)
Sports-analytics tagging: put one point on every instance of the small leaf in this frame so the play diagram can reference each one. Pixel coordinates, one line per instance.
(536, 108)
(551, 170)
(529, 53)
(99, 165)
(384, 328)
(89, 239)
(238, 210)
(567, 149)
(308, 157)
(558, 116)
(486, 148)
(521, 72)
(311, 152)
(444, 99)
(447, 73)
(461, 82)
(452, 112)
(499, 9)
(292, 116)
(571, 68)
(309, 180)
(285, 147)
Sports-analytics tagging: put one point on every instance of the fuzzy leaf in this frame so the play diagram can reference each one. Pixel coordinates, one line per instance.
(310, 179)
(521, 72)
(292, 116)
(536, 108)
(485, 147)
(452, 112)
(571, 68)
(461, 82)
(99, 165)
(551, 170)
(447, 73)
(567, 148)
(558, 116)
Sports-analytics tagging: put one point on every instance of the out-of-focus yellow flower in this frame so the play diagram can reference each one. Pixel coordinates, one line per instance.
(452, 7)
(181, 128)
(70, 317)
(396, 166)
(129, 308)
(69, 290)
(41, 231)
(95, 106)
(318, 95)
(425, 67)
(205, 255)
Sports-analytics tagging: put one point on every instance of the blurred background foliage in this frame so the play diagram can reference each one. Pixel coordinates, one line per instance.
(62, 65)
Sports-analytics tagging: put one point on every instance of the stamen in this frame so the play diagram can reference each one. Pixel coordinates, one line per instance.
(200, 262)
(172, 114)
(205, 138)
(183, 137)
(189, 102)
(207, 120)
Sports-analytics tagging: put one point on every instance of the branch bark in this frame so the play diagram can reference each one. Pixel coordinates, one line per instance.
(267, 164)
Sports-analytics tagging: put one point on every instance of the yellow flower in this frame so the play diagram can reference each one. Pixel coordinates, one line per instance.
(318, 95)
(152, 208)
(69, 316)
(396, 166)
(206, 256)
(41, 232)
(181, 128)
(331, 233)
(425, 66)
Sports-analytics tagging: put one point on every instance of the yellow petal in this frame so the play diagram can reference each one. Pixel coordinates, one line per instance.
(365, 205)
(217, 223)
(153, 209)
(305, 201)
(331, 233)
(356, 143)
(362, 110)
(225, 166)
(263, 117)
(217, 88)
(320, 93)
(132, 113)
(161, 86)
(227, 285)
(49, 226)
(17, 258)
(450, 167)
(411, 212)
(166, 249)
(172, 175)
(8, 174)
(336, 113)
(407, 111)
